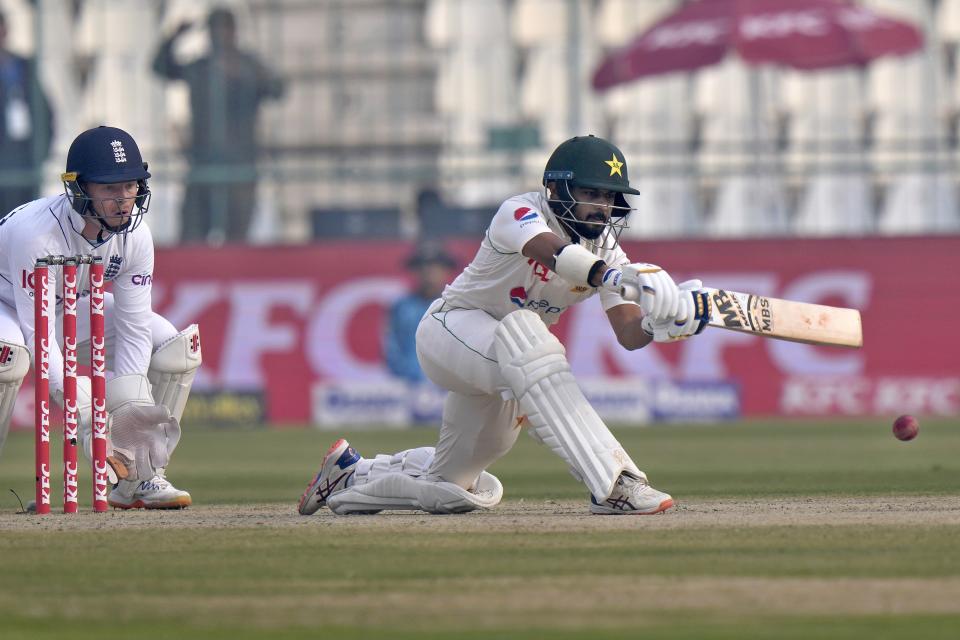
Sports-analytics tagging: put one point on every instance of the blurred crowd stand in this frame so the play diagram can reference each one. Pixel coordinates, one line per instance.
(386, 99)
(26, 125)
(227, 86)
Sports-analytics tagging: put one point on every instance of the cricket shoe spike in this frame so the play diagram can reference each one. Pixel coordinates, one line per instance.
(632, 496)
(338, 467)
(155, 493)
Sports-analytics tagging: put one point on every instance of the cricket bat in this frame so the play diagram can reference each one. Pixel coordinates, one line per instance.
(785, 319)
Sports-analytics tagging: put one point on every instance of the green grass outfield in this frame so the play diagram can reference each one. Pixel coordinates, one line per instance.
(887, 571)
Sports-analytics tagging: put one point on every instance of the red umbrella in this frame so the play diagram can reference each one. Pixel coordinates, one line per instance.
(803, 34)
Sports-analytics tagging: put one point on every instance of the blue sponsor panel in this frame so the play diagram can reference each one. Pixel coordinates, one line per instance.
(390, 403)
(695, 401)
(620, 401)
(375, 404)
(426, 404)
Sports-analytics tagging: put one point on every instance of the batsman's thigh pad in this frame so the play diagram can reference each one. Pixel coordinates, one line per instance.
(173, 367)
(14, 364)
(455, 349)
(535, 366)
(399, 481)
(476, 432)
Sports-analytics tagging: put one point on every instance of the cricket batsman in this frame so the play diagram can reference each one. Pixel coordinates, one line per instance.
(486, 341)
(150, 365)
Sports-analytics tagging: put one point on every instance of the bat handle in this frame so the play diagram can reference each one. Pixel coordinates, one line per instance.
(630, 292)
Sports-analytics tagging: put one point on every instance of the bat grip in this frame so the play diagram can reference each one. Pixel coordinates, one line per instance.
(630, 292)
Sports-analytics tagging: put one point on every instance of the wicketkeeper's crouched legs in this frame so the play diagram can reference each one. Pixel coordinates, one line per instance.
(14, 364)
(173, 367)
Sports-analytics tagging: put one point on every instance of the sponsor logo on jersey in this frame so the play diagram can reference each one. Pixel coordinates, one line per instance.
(579, 289)
(141, 280)
(26, 280)
(524, 214)
(518, 296)
(539, 270)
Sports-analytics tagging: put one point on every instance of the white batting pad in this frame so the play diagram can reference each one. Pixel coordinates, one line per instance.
(535, 366)
(173, 367)
(14, 364)
(399, 482)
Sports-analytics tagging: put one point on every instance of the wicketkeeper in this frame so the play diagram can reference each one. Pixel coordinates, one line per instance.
(150, 364)
(486, 341)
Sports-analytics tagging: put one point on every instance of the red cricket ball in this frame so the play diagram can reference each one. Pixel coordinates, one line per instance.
(906, 428)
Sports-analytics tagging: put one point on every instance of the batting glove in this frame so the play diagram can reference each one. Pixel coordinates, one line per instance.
(653, 289)
(691, 319)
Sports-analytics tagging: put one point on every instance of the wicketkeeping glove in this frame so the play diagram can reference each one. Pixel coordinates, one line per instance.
(691, 319)
(142, 433)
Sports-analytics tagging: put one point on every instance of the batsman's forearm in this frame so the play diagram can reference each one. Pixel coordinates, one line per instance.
(632, 336)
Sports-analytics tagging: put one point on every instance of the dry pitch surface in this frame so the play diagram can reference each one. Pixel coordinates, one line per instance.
(520, 515)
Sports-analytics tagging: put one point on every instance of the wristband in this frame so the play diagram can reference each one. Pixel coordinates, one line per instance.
(576, 264)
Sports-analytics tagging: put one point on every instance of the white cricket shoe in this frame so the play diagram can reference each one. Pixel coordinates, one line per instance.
(632, 496)
(155, 493)
(337, 467)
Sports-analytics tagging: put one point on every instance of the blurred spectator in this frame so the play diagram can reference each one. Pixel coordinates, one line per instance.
(26, 128)
(433, 268)
(226, 89)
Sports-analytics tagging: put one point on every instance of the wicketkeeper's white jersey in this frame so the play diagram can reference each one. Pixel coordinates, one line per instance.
(500, 279)
(50, 226)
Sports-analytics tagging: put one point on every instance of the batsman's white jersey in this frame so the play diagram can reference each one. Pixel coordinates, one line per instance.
(50, 226)
(500, 279)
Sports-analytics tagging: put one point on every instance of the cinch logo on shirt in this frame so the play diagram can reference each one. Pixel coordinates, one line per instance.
(518, 296)
(524, 214)
(141, 280)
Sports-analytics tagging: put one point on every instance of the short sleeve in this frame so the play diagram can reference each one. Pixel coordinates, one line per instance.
(516, 223)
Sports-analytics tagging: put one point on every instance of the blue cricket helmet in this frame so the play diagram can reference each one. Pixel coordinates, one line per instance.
(105, 155)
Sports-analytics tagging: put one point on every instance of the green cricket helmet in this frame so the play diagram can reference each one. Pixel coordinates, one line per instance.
(588, 162)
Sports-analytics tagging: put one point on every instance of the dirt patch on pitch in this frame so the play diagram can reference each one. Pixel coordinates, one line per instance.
(522, 515)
